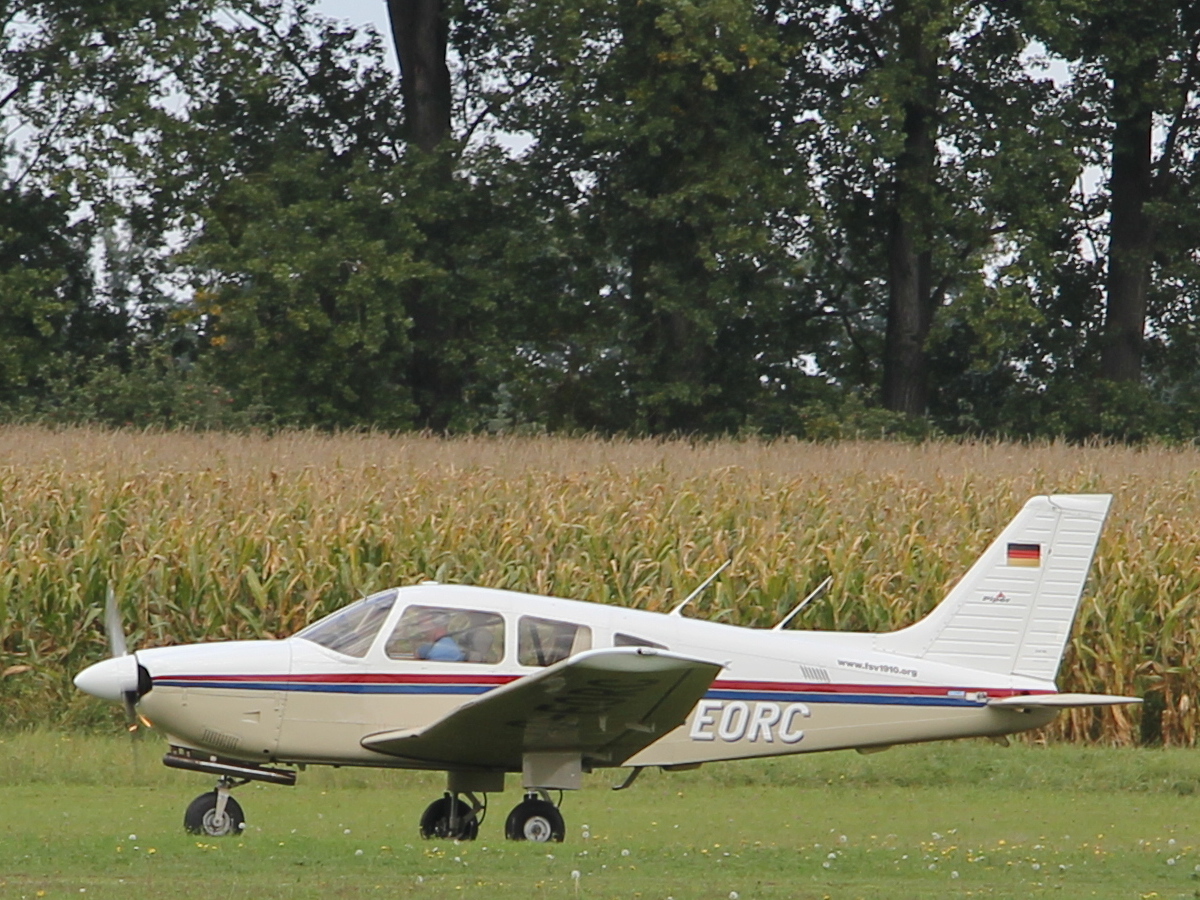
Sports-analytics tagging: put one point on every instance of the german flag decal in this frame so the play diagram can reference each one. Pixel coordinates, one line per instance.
(1029, 555)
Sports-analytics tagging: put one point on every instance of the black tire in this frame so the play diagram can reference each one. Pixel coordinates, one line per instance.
(201, 817)
(535, 820)
(435, 822)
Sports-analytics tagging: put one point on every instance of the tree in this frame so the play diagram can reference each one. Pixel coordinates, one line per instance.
(78, 88)
(341, 277)
(45, 282)
(659, 161)
(1136, 66)
(941, 158)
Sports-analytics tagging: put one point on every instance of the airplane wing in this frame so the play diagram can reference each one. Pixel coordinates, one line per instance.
(605, 704)
(1061, 701)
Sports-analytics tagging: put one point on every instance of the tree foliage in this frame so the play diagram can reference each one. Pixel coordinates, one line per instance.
(652, 216)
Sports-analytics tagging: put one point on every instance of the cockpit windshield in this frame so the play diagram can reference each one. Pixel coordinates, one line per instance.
(352, 629)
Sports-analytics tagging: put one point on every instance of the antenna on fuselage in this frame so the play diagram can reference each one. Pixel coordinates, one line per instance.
(678, 610)
(820, 589)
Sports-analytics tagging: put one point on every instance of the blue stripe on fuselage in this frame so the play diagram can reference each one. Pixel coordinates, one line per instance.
(468, 689)
(829, 697)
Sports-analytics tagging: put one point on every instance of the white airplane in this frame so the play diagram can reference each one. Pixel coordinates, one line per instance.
(480, 683)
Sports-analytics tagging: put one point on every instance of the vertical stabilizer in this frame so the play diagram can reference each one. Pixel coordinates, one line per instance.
(1012, 612)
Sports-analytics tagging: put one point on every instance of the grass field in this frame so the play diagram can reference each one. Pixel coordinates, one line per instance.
(950, 820)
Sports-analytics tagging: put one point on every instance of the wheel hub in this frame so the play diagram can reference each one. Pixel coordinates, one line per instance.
(537, 829)
(216, 823)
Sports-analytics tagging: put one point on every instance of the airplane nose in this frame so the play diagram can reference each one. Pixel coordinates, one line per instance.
(110, 679)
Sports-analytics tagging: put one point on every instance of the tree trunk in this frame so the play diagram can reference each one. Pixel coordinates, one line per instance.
(420, 32)
(1131, 238)
(910, 304)
(905, 364)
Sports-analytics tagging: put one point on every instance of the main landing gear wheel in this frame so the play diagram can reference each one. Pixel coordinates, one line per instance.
(449, 817)
(202, 817)
(535, 820)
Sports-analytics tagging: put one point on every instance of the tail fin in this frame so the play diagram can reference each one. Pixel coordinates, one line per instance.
(1011, 613)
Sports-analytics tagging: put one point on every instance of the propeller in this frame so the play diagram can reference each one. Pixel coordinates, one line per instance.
(117, 647)
(120, 678)
(112, 624)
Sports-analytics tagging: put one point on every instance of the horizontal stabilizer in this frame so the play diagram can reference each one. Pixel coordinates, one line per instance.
(1061, 701)
(605, 705)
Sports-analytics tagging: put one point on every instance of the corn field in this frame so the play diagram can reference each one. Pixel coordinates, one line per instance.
(207, 536)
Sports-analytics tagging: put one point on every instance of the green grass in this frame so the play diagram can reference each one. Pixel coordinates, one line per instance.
(80, 820)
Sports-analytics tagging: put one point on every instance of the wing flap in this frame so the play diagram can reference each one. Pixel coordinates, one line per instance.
(1061, 701)
(604, 704)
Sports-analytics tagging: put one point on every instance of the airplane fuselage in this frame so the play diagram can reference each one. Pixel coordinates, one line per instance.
(779, 692)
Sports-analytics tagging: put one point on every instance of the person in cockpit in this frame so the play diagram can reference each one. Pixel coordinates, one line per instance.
(439, 645)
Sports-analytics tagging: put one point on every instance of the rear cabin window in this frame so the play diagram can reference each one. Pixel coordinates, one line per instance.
(630, 640)
(441, 634)
(543, 642)
(352, 629)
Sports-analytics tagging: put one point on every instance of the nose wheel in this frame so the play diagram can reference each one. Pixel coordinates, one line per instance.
(535, 819)
(215, 814)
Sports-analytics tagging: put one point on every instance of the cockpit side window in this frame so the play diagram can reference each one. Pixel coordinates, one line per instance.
(441, 634)
(543, 642)
(630, 640)
(352, 629)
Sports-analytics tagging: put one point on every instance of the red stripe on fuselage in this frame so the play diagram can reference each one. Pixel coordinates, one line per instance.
(354, 678)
